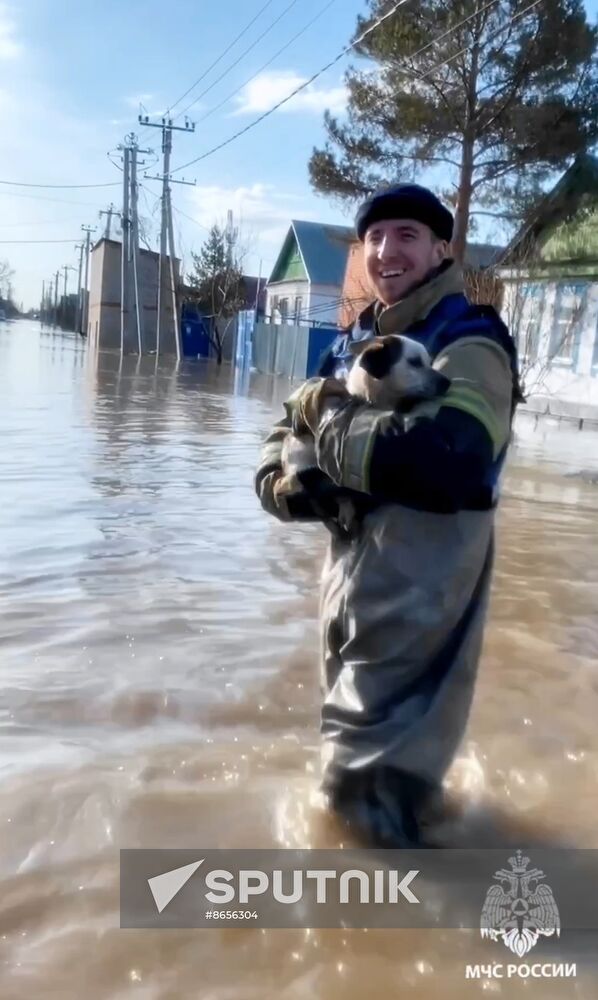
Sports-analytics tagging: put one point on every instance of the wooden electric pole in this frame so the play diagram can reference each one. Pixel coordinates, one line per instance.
(55, 318)
(85, 311)
(66, 268)
(132, 327)
(167, 228)
(78, 319)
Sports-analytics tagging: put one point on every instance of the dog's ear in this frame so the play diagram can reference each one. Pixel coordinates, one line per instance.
(381, 356)
(357, 347)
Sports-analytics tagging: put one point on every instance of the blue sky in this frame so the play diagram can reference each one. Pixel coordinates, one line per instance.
(72, 76)
(71, 79)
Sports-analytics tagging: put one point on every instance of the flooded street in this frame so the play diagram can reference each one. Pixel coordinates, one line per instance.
(159, 680)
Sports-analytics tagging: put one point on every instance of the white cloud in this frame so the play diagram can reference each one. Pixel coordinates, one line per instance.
(10, 48)
(269, 88)
(261, 208)
(262, 213)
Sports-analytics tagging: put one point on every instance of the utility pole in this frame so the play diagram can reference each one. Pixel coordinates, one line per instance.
(43, 303)
(109, 213)
(231, 236)
(66, 268)
(55, 320)
(131, 299)
(85, 310)
(166, 150)
(167, 228)
(258, 289)
(134, 240)
(79, 316)
(124, 258)
(49, 287)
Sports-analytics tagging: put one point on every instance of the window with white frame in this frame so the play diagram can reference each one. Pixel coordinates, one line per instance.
(298, 309)
(283, 307)
(567, 323)
(529, 310)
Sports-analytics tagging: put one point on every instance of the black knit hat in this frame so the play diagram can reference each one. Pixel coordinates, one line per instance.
(406, 201)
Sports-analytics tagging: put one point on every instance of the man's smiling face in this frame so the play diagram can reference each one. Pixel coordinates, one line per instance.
(399, 254)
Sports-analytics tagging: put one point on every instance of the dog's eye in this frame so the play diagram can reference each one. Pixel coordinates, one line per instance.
(416, 362)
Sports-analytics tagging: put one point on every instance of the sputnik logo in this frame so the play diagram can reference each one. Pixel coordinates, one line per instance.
(165, 887)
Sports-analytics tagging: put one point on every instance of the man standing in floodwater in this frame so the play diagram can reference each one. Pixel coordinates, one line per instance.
(404, 601)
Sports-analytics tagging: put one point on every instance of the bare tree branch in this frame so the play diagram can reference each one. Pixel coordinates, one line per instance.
(510, 217)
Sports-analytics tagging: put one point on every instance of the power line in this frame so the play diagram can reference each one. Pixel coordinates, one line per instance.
(31, 225)
(286, 46)
(214, 64)
(242, 56)
(449, 59)
(69, 186)
(297, 90)
(74, 240)
(206, 229)
(179, 211)
(59, 201)
(322, 307)
(418, 76)
(221, 56)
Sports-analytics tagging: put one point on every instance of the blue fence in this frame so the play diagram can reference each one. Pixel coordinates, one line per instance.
(194, 334)
(294, 351)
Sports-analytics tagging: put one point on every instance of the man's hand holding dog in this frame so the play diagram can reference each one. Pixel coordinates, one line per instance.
(308, 404)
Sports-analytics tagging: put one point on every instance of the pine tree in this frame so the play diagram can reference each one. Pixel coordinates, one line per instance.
(211, 259)
(501, 102)
(217, 284)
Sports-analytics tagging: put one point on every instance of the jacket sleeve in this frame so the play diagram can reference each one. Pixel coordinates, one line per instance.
(293, 503)
(441, 454)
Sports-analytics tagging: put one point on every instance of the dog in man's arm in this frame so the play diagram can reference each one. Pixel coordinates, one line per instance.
(390, 373)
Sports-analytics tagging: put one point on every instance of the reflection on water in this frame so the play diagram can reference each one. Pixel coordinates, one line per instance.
(159, 679)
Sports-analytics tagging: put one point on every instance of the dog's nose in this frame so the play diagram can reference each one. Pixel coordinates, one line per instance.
(441, 383)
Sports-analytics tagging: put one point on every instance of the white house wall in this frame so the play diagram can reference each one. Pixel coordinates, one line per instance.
(576, 382)
(324, 303)
(320, 303)
(290, 290)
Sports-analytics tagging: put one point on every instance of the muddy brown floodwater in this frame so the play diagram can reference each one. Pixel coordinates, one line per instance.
(159, 681)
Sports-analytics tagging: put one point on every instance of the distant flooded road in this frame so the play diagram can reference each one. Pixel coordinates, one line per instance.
(159, 679)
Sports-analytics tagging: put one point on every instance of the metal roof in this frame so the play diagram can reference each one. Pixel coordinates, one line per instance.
(479, 256)
(578, 185)
(323, 248)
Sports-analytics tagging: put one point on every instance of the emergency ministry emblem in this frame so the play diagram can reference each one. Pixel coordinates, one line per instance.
(520, 909)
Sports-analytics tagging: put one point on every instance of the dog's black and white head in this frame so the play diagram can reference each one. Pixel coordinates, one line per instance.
(394, 372)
